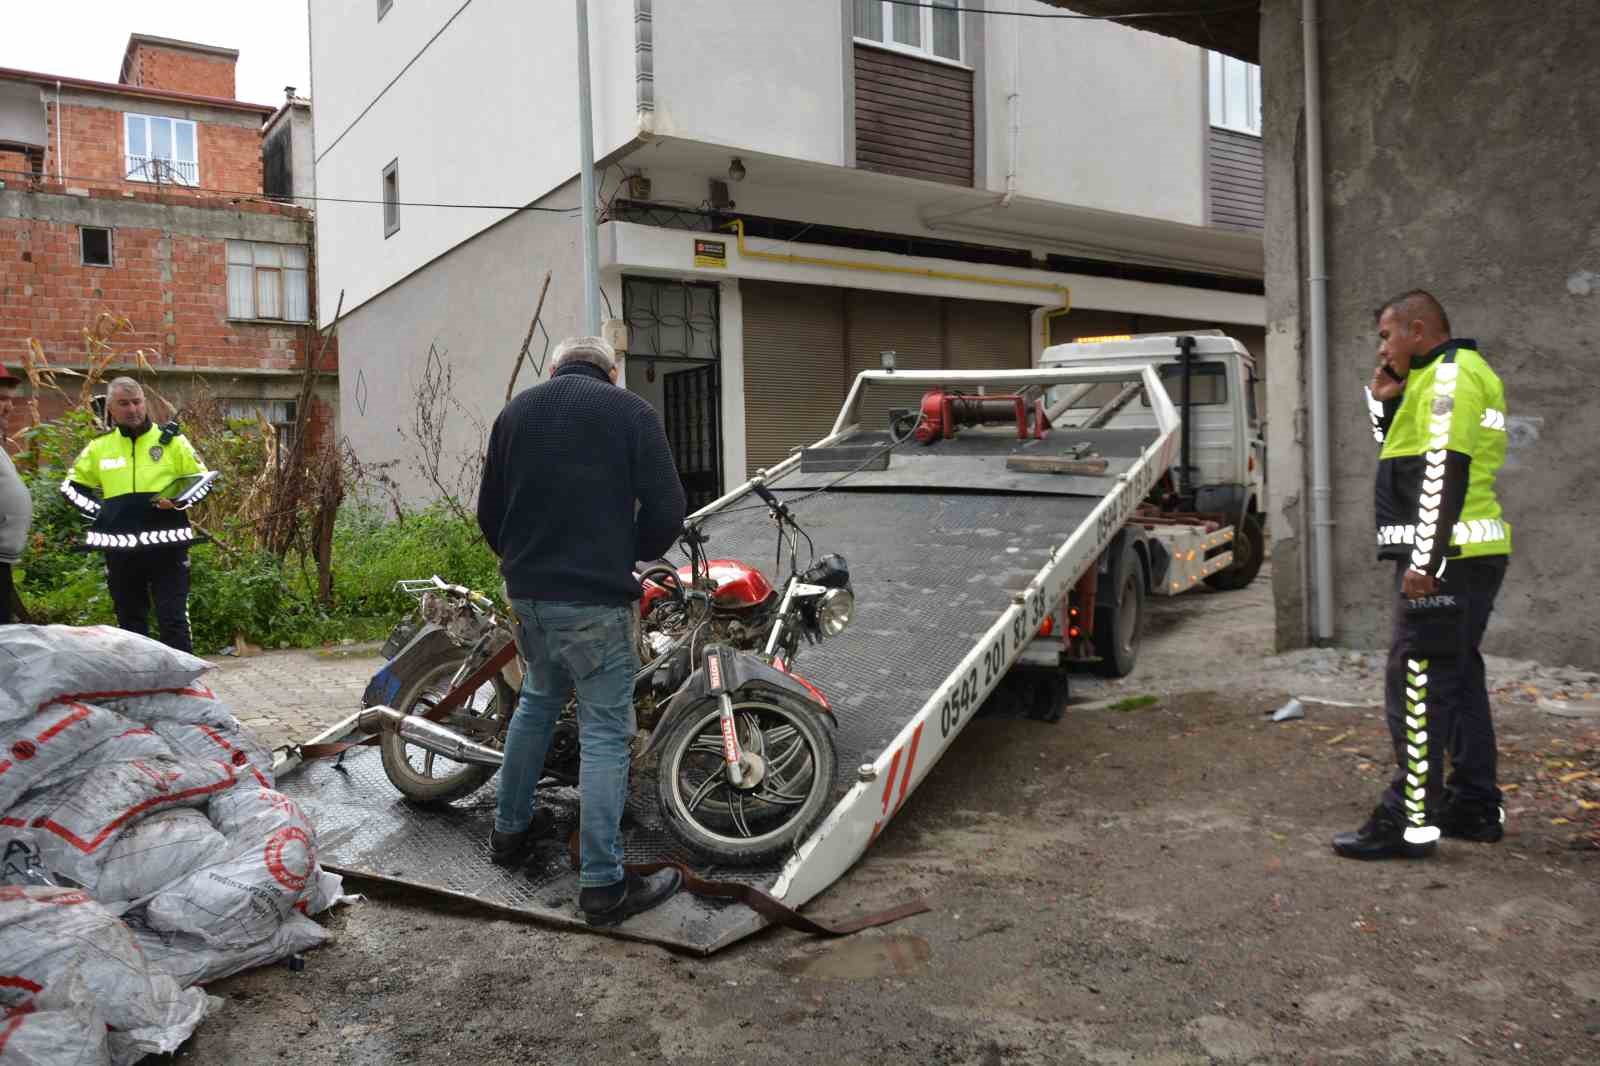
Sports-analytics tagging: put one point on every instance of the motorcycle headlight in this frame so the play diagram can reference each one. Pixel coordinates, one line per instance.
(838, 606)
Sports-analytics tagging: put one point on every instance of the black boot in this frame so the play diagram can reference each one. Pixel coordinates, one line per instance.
(513, 849)
(1469, 821)
(610, 904)
(1383, 837)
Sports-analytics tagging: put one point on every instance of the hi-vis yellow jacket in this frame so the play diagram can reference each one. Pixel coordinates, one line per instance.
(1443, 442)
(116, 480)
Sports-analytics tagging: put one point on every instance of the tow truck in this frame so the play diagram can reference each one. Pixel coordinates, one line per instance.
(1002, 527)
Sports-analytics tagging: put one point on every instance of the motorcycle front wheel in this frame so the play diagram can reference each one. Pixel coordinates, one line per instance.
(424, 777)
(756, 822)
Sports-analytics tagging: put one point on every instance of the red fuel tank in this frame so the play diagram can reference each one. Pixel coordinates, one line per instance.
(737, 585)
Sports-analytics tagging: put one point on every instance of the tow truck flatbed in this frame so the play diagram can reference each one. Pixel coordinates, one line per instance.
(953, 576)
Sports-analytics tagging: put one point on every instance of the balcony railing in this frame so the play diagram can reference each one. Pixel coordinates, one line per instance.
(167, 171)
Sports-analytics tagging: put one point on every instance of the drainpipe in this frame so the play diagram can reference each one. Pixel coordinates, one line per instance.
(1321, 492)
(60, 169)
(591, 242)
(1014, 105)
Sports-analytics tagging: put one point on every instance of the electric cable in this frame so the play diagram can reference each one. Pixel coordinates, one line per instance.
(964, 9)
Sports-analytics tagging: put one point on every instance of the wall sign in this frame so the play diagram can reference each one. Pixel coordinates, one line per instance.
(711, 254)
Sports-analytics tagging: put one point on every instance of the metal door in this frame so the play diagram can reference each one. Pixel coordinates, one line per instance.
(692, 415)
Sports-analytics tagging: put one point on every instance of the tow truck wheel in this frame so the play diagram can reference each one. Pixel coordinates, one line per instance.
(1249, 545)
(1119, 617)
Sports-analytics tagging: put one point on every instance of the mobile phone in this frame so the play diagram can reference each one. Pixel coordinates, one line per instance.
(1387, 369)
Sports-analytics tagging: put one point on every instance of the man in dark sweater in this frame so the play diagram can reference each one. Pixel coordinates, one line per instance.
(578, 483)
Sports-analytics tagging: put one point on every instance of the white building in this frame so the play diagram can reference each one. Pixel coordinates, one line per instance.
(923, 179)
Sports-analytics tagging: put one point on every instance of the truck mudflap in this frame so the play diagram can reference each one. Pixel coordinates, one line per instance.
(742, 671)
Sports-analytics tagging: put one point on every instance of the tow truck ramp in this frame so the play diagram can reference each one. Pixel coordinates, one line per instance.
(953, 574)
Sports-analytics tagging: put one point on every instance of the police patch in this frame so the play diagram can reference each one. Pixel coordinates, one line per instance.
(1443, 405)
(155, 453)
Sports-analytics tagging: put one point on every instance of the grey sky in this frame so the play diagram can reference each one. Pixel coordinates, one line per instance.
(86, 38)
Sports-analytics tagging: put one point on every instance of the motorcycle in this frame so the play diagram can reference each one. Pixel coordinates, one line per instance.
(744, 760)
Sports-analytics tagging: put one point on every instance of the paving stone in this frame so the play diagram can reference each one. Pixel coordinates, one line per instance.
(285, 697)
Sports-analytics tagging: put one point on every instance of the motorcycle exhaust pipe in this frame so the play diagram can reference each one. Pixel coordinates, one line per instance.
(429, 736)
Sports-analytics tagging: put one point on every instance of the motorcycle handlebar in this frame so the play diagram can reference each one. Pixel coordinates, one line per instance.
(771, 500)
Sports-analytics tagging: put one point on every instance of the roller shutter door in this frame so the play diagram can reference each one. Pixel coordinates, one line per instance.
(987, 336)
(793, 367)
(910, 326)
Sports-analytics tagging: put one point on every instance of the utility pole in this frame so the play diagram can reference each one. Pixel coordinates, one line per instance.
(591, 242)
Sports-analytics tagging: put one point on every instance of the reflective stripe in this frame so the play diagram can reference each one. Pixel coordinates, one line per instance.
(1475, 531)
(1493, 419)
(1375, 412)
(78, 499)
(1416, 790)
(1444, 388)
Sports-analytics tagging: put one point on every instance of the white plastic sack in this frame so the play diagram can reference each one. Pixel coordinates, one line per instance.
(58, 1026)
(193, 703)
(226, 741)
(189, 960)
(155, 851)
(268, 871)
(51, 936)
(70, 828)
(34, 750)
(90, 663)
(134, 741)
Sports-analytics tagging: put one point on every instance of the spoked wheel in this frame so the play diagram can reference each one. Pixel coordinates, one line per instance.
(427, 778)
(789, 766)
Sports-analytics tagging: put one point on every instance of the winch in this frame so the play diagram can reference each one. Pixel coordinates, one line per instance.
(943, 412)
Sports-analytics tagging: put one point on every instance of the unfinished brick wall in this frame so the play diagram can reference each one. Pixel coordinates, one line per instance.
(154, 66)
(94, 149)
(171, 286)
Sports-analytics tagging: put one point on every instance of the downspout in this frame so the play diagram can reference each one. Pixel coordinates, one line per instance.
(60, 166)
(1321, 493)
(591, 248)
(1014, 105)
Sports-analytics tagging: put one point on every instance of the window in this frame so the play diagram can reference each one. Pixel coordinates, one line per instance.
(391, 198)
(383, 8)
(933, 30)
(1208, 385)
(267, 281)
(95, 244)
(161, 149)
(1235, 94)
(279, 414)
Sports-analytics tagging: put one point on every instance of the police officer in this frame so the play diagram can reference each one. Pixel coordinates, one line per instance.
(145, 536)
(1439, 413)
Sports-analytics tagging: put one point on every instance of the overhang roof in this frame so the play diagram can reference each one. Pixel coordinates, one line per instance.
(1230, 26)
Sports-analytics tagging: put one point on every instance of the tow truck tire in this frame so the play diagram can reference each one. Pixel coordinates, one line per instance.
(1119, 616)
(1248, 547)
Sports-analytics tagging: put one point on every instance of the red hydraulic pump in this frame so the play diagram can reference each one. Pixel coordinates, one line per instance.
(945, 412)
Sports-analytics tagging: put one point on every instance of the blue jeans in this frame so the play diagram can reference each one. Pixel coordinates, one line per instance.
(590, 648)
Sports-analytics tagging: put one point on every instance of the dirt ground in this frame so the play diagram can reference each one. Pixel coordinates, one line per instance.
(1125, 886)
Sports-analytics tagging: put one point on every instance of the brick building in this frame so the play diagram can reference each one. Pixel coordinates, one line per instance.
(145, 199)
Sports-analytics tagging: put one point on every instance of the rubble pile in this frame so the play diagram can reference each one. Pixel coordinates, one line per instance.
(143, 850)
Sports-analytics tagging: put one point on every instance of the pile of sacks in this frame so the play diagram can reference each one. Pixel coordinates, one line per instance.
(143, 850)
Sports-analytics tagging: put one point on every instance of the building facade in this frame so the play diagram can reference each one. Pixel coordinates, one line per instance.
(144, 199)
(784, 197)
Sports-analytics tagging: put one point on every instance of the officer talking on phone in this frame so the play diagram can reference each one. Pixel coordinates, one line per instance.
(1439, 414)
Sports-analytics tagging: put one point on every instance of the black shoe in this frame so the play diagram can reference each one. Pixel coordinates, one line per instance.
(610, 904)
(1484, 825)
(513, 849)
(1383, 837)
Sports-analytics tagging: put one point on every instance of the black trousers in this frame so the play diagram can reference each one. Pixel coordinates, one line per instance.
(160, 576)
(5, 594)
(1436, 697)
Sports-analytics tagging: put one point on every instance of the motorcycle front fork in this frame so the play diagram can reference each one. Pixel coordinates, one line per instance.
(732, 753)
